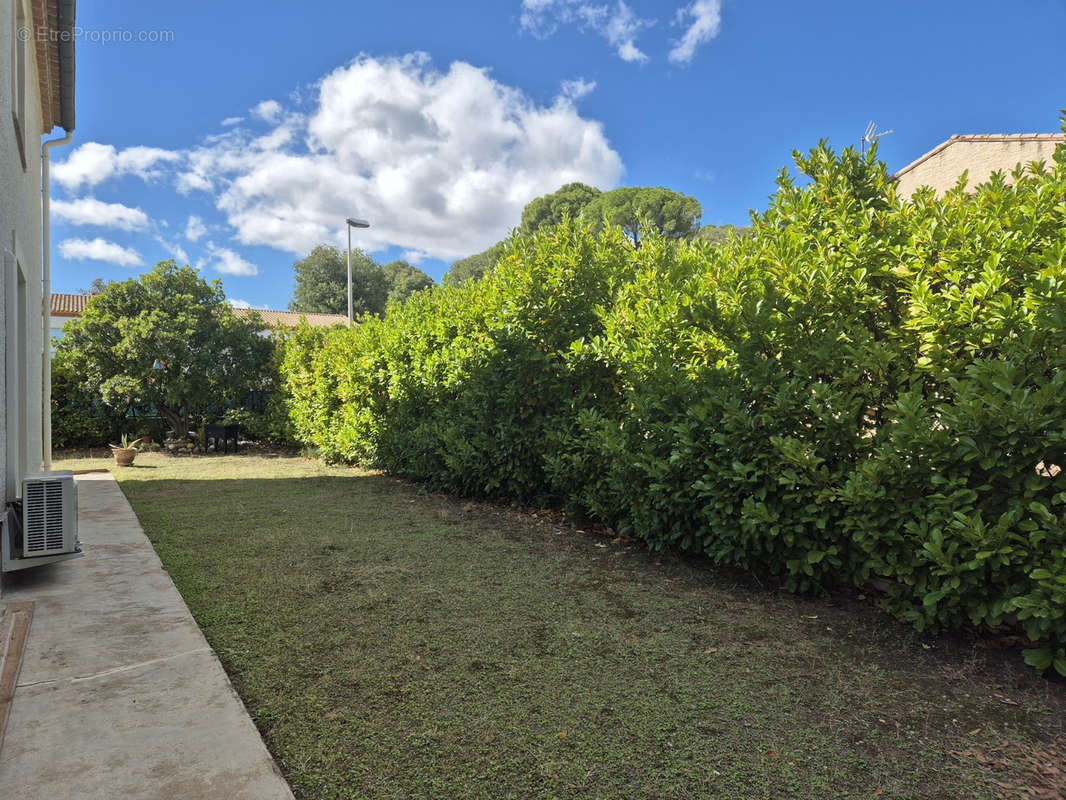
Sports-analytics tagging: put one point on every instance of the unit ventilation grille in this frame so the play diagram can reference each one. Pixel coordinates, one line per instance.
(49, 521)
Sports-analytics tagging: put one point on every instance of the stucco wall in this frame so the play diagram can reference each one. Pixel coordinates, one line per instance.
(980, 155)
(20, 233)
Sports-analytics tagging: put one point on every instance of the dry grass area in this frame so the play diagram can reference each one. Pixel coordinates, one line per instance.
(391, 643)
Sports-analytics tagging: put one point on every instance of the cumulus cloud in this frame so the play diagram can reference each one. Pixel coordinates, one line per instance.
(228, 262)
(268, 111)
(93, 163)
(195, 228)
(439, 162)
(100, 250)
(233, 301)
(231, 121)
(704, 20)
(90, 211)
(618, 25)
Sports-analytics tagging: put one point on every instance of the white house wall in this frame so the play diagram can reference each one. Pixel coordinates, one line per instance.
(20, 234)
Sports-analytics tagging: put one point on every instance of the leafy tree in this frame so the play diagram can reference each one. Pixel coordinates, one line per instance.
(551, 209)
(473, 267)
(673, 215)
(322, 283)
(639, 210)
(567, 202)
(79, 416)
(95, 287)
(718, 234)
(404, 280)
(169, 339)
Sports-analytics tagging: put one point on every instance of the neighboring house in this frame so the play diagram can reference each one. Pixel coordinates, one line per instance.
(980, 156)
(66, 307)
(291, 319)
(37, 95)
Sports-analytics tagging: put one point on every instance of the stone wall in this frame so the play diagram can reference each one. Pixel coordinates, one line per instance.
(980, 155)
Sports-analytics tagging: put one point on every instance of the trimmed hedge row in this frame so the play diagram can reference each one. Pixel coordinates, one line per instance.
(863, 389)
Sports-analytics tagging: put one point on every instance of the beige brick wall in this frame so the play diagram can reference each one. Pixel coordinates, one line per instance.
(980, 155)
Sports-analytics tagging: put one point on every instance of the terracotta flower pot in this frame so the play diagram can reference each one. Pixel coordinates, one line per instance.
(124, 455)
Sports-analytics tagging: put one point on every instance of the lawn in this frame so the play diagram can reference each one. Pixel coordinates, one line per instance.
(396, 644)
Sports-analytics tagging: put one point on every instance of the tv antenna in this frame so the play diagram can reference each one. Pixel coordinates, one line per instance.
(872, 135)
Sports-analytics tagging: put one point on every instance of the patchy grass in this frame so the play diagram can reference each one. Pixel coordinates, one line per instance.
(394, 644)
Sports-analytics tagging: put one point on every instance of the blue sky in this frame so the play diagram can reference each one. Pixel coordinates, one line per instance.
(248, 135)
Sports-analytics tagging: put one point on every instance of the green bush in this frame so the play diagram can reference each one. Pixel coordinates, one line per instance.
(862, 389)
(265, 415)
(467, 387)
(79, 417)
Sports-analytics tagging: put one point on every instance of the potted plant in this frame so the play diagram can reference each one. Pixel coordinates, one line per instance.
(125, 452)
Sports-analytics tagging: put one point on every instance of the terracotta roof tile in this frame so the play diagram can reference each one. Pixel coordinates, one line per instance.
(290, 319)
(73, 305)
(68, 305)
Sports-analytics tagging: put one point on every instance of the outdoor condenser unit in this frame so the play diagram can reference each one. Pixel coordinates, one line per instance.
(41, 527)
(49, 514)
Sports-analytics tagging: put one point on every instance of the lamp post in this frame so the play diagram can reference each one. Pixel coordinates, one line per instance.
(352, 223)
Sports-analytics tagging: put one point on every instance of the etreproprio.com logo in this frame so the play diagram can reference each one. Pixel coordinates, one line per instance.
(43, 33)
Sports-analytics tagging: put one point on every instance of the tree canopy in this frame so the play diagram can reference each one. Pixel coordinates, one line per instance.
(322, 282)
(541, 212)
(167, 338)
(551, 209)
(674, 215)
(473, 267)
(404, 280)
(717, 234)
(669, 213)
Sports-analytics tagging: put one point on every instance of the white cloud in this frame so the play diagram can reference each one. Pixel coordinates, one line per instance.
(578, 88)
(268, 110)
(415, 257)
(618, 25)
(228, 262)
(195, 228)
(621, 32)
(193, 180)
(230, 121)
(233, 301)
(94, 162)
(706, 22)
(173, 249)
(90, 211)
(100, 250)
(439, 162)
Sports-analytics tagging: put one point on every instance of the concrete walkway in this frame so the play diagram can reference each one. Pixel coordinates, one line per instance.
(119, 694)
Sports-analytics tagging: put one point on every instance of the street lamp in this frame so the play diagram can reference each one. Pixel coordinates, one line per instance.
(352, 223)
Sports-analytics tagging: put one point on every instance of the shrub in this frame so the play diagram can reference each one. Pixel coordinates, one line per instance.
(265, 415)
(466, 387)
(79, 416)
(860, 389)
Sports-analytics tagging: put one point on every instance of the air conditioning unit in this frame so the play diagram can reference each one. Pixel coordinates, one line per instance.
(49, 514)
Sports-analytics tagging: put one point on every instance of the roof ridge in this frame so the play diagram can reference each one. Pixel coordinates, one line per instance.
(982, 137)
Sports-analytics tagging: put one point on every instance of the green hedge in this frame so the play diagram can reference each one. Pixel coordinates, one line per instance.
(862, 390)
(79, 417)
